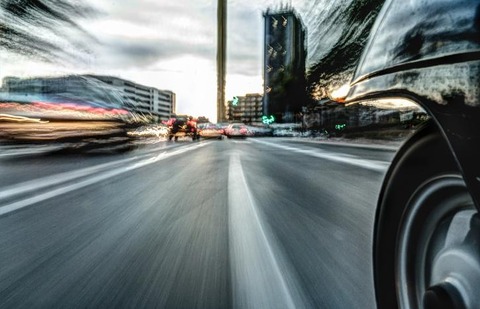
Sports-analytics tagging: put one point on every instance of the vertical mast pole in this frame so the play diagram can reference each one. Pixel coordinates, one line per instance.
(221, 57)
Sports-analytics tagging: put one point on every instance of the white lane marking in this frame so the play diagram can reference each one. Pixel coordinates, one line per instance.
(8, 152)
(47, 181)
(52, 180)
(241, 142)
(89, 181)
(258, 280)
(392, 147)
(375, 165)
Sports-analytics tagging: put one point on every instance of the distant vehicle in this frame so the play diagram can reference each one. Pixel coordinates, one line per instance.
(223, 125)
(236, 130)
(210, 130)
(182, 126)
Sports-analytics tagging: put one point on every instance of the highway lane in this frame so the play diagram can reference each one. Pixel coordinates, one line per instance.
(254, 223)
(321, 212)
(23, 163)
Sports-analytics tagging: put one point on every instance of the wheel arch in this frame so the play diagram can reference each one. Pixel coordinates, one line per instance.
(426, 150)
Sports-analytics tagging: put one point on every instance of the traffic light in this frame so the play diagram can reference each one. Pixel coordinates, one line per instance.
(235, 101)
(268, 120)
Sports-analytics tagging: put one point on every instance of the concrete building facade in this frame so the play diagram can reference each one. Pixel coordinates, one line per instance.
(147, 100)
(247, 109)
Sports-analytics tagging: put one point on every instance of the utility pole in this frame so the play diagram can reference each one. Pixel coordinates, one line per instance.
(221, 57)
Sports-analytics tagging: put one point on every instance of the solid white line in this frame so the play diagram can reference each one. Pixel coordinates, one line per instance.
(258, 281)
(100, 177)
(15, 152)
(47, 181)
(375, 165)
(241, 142)
(392, 147)
(52, 180)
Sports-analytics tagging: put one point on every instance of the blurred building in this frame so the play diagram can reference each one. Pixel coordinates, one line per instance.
(284, 64)
(247, 109)
(112, 91)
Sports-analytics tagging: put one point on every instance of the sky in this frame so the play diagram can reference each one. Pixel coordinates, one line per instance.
(167, 45)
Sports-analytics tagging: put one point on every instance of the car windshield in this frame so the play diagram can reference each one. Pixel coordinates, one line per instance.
(105, 202)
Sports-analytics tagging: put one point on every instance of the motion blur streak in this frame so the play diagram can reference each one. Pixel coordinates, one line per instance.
(258, 280)
(44, 28)
(13, 118)
(53, 131)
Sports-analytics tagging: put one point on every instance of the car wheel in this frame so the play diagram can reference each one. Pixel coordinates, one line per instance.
(427, 231)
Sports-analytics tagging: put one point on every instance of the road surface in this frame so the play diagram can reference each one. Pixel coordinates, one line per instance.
(254, 223)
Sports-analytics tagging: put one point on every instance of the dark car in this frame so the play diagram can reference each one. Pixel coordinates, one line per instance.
(427, 232)
(182, 126)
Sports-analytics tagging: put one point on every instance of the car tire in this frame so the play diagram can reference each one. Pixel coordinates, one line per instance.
(426, 249)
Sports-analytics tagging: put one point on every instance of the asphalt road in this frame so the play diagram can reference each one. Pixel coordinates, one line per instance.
(255, 223)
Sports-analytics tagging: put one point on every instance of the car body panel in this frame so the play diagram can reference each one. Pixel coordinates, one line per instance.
(429, 52)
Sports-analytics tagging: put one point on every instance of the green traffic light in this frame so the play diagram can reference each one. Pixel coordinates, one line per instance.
(268, 120)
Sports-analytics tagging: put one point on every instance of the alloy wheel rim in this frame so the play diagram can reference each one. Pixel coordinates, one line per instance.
(438, 254)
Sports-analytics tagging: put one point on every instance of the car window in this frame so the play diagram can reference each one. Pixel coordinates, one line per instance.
(342, 130)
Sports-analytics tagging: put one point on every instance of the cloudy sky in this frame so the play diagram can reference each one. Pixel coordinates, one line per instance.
(165, 44)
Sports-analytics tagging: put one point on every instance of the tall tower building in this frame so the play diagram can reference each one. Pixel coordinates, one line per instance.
(284, 64)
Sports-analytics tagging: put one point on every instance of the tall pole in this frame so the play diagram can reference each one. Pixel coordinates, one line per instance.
(221, 57)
